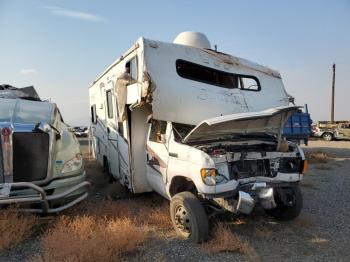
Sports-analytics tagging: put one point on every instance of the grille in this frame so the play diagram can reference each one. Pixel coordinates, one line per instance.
(30, 156)
(251, 168)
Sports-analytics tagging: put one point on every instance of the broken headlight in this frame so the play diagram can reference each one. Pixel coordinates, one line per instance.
(289, 165)
(74, 164)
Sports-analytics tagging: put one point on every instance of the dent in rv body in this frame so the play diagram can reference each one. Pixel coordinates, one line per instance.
(200, 128)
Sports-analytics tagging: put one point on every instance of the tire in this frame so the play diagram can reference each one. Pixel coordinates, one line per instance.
(188, 217)
(327, 136)
(287, 212)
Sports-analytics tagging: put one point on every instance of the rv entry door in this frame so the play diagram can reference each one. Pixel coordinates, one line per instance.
(118, 148)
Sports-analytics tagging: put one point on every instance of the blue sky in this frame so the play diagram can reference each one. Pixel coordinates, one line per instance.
(61, 46)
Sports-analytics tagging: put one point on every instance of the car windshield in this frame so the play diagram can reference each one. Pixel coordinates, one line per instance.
(25, 111)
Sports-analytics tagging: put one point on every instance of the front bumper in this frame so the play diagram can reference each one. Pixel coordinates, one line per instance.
(246, 196)
(73, 188)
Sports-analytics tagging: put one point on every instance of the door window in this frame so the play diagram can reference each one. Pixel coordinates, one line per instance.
(131, 68)
(93, 114)
(109, 103)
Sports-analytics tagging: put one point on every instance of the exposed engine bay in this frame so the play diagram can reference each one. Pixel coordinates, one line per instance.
(235, 160)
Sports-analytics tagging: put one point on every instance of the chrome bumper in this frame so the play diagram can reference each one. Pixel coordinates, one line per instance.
(42, 198)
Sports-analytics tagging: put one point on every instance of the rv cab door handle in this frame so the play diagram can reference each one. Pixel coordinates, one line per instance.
(108, 130)
(173, 154)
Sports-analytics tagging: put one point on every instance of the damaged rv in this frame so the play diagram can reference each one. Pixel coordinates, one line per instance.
(41, 166)
(201, 128)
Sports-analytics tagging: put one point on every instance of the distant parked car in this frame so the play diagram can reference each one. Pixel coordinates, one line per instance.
(41, 165)
(80, 131)
(332, 131)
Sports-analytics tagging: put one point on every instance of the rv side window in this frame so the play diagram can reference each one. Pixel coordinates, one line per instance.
(215, 77)
(248, 83)
(131, 68)
(93, 114)
(158, 128)
(109, 103)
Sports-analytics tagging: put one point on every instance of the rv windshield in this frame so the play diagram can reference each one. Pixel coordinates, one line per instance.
(181, 131)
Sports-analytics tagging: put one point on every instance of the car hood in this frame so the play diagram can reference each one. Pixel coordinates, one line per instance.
(270, 121)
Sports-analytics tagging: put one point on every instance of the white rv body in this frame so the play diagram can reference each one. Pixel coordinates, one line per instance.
(170, 86)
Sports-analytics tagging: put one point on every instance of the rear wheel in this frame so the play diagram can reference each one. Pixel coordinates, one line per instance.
(327, 136)
(289, 202)
(188, 217)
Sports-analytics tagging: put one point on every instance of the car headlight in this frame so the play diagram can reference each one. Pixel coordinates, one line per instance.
(208, 176)
(74, 164)
(211, 177)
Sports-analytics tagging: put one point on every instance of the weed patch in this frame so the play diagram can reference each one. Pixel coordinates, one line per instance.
(224, 240)
(87, 238)
(14, 227)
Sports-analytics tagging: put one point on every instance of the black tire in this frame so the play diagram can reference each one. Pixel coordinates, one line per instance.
(327, 136)
(287, 212)
(188, 217)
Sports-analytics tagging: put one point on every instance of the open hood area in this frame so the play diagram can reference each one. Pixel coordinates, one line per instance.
(270, 121)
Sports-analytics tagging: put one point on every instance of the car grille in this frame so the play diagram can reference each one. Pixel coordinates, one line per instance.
(251, 168)
(30, 156)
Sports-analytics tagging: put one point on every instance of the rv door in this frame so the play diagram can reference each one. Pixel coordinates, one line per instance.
(118, 148)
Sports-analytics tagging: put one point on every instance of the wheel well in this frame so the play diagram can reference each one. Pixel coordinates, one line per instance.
(182, 184)
(328, 132)
(105, 163)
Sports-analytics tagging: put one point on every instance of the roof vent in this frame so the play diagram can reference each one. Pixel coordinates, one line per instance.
(194, 39)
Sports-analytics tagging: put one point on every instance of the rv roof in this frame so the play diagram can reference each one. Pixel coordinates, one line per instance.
(225, 58)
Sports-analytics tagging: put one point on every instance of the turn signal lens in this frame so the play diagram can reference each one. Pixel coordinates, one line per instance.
(305, 167)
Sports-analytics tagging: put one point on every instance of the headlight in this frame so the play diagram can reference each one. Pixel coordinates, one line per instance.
(209, 176)
(72, 165)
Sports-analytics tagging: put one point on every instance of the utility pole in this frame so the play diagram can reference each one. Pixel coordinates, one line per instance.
(333, 91)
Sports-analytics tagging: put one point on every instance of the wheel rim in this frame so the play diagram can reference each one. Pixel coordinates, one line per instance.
(182, 220)
(327, 137)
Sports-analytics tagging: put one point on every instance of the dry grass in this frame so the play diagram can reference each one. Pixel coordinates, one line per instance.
(108, 231)
(224, 240)
(141, 211)
(14, 227)
(87, 238)
(317, 157)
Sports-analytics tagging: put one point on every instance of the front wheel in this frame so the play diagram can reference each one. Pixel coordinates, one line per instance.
(188, 217)
(289, 202)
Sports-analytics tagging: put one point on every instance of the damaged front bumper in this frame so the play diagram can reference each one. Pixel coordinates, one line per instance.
(247, 196)
(74, 190)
